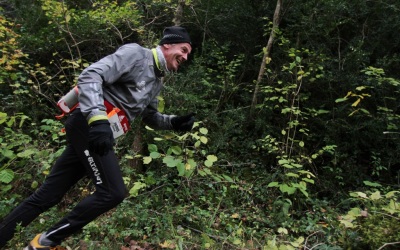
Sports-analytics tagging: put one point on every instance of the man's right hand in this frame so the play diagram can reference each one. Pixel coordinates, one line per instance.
(101, 137)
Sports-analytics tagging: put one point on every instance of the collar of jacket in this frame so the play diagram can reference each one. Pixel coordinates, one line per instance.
(160, 62)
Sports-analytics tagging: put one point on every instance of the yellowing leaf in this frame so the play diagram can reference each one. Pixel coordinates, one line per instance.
(347, 224)
(356, 102)
(376, 195)
(147, 160)
(282, 230)
(361, 194)
(212, 158)
(235, 216)
(237, 241)
(167, 244)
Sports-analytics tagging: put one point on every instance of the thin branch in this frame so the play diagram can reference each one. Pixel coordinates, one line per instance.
(389, 244)
(305, 243)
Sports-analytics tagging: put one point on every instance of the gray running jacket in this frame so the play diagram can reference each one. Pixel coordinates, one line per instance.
(129, 80)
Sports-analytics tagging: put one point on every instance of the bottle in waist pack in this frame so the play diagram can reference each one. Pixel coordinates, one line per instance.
(69, 102)
(118, 120)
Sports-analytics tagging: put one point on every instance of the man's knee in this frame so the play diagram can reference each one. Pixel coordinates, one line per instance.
(115, 197)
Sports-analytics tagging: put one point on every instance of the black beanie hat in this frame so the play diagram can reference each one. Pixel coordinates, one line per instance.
(175, 34)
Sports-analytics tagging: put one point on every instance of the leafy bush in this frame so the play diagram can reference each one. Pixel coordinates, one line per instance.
(376, 218)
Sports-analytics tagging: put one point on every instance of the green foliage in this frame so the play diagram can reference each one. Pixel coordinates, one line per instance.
(376, 218)
(327, 121)
(183, 153)
(21, 154)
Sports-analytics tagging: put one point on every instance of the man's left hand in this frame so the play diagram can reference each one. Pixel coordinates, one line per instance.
(183, 123)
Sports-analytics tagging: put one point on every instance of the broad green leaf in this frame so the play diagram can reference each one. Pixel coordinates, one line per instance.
(286, 189)
(34, 184)
(322, 111)
(227, 178)
(361, 194)
(154, 155)
(203, 139)
(273, 184)
(354, 212)
(202, 173)
(26, 153)
(304, 192)
(6, 175)
(134, 191)
(207, 171)
(168, 135)
(340, 100)
(308, 173)
(216, 178)
(6, 188)
(181, 168)
(391, 194)
(3, 117)
(308, 180)
(365, 111)
(297, 165)
(204, 131)
(170, 161)
(152, 148)
(372, 184)
(208, 163)
(192, 163)
(347, 224)
(7, 153)
(281, 162)
(176, 150)
(287, 166)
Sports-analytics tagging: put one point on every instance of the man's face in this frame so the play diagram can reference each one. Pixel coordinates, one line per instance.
(175, 54)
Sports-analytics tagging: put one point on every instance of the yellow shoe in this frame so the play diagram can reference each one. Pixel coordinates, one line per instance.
(34, 245)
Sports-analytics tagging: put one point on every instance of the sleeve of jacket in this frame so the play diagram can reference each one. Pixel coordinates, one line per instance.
(106, 71)
(155, 119)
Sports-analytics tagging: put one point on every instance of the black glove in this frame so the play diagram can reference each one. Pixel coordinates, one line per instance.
(183, 123)
(101, 137)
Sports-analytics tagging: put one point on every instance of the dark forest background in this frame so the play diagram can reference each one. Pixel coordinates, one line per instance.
(296, 144)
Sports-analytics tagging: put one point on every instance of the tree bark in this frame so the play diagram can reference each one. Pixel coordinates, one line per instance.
(179, 13)
(267, 51)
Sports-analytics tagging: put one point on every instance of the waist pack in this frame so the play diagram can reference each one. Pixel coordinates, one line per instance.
(118, 120)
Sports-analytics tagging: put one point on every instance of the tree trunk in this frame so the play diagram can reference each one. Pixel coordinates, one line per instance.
(137, 147)
(179, 13)
(266, 58)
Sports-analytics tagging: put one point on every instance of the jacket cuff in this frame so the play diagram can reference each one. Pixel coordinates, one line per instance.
(97, 118)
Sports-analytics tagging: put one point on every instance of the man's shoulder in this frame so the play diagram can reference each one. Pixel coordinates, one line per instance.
(134, 49)
(134, 46)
